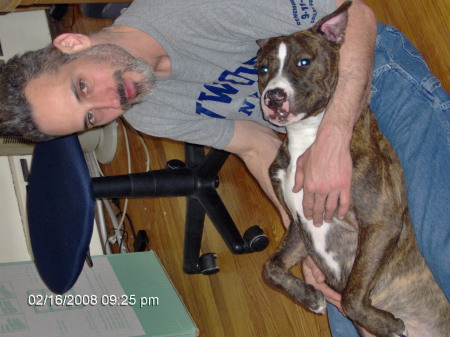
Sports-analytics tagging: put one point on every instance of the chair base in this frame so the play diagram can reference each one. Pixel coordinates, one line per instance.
(197, 180)
(206, 200)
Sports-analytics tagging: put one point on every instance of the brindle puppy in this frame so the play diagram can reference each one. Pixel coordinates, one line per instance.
(371, 257)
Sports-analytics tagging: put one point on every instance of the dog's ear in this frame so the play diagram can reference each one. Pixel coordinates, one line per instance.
(333, 25)
(262, 42)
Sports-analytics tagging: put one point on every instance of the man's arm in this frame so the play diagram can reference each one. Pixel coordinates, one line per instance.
(324, 170)
(257, 146)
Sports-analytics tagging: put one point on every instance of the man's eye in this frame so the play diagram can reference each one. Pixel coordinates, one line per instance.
(83, 87)
(90, 119)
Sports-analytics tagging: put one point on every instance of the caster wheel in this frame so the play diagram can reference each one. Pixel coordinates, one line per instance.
(255, 239)
(207, 264)
(175, 164)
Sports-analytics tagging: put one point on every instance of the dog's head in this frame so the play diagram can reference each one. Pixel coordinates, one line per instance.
(298, 73)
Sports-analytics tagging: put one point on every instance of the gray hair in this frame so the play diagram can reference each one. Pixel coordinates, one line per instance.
(16, 119)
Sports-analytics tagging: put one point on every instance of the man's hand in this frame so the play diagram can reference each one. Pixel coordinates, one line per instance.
(314, 276)
(324, 172)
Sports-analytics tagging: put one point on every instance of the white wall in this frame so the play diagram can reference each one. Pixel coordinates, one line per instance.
(23, 31)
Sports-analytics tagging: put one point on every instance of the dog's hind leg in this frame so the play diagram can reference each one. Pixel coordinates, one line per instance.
(289, 253)
(376, 244)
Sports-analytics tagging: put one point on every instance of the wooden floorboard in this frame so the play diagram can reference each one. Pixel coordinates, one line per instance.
(236, 301)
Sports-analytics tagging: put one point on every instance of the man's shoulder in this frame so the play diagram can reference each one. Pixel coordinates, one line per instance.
(275, 17)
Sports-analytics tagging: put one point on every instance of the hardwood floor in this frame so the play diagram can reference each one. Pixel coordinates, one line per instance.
(236, 301)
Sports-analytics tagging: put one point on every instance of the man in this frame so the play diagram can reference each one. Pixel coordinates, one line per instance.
(202, 56)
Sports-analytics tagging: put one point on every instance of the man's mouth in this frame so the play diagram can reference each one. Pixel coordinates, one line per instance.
(130, 89)
(131, 92)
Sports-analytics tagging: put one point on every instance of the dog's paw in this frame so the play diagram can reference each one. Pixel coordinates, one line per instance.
(403, 334)
(316, 302)
(320, 308)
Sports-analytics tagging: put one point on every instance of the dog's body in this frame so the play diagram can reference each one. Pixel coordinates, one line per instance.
(371, 257)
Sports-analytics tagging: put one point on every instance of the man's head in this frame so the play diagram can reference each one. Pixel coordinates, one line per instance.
(15, 111)
(69, 87)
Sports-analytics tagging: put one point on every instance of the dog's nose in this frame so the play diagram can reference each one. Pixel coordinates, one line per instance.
(275, 98)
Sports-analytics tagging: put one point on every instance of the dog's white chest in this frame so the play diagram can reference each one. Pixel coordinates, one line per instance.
(301, 135)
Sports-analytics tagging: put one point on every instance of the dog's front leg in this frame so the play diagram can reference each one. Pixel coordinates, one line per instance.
(376, 243)
(289, 253)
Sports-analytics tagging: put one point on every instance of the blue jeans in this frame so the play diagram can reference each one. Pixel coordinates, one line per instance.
(413, 113)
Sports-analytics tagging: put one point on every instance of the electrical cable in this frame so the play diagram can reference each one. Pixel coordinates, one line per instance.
(117, 236)
(147, 154)
(130, 223)
(127, 146)
(101, 225)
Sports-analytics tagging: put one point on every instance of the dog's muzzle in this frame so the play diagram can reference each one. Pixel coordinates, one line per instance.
(276, 106)
(275, 98)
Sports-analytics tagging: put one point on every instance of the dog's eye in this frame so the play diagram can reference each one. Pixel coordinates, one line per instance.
(263, 70)
(304, 62)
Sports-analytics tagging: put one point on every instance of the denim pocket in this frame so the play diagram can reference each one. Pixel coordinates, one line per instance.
(401, 40)
(393, 51)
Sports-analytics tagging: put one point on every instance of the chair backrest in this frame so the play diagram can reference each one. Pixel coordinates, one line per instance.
(61, 208)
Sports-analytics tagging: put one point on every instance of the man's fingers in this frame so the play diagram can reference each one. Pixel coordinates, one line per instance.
(337, 304)
(311, 271)
(344, 205)
(330, 206)
(299, 176)
(319, 209)
(323, 208)
(334, 299)
(311, 268)
(318, 275)
(314, 207)
(308, 204)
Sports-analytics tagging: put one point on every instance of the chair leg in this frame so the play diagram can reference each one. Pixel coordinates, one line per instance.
(206, 199)
(206, 168)
(206, 165)
(217, 212)
(193, 155)
(194, 223)
(212, 163)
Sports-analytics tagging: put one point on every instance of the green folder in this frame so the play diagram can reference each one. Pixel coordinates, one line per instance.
(142, 274)
(123, 295)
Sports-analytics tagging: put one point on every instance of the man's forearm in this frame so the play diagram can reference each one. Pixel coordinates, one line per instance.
(355, 69)
(257, 146)
(333, 165)
(324, 170)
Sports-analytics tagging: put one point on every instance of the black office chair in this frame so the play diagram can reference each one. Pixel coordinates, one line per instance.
(61, 207)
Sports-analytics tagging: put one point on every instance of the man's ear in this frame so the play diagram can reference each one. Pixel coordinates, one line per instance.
(71, 43)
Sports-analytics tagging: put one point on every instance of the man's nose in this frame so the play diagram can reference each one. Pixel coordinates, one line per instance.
(107, 98)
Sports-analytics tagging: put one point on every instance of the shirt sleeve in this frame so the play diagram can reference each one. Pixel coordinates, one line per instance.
(216, 133)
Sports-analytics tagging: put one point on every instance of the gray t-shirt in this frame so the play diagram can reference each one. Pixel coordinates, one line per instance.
(212, 48)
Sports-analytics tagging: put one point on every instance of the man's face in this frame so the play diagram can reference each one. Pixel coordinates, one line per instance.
(92, 90)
